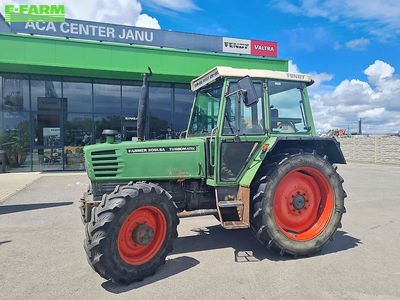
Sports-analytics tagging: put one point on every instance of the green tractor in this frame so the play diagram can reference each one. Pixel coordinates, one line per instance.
(250, 157)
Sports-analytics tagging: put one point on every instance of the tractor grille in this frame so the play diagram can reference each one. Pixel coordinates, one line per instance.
(105, 163)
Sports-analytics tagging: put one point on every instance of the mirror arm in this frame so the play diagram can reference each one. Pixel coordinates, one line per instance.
(235, 92)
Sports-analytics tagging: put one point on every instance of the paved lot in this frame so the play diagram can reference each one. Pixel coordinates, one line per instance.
(14, 182)
(42, 255)
(11, 183)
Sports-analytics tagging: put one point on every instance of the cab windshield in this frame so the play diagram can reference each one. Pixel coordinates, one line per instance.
(205, 111)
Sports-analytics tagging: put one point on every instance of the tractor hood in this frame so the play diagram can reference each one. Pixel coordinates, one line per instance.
(163, 159)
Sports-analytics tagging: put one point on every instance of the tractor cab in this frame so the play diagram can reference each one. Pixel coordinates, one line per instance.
(240, 110)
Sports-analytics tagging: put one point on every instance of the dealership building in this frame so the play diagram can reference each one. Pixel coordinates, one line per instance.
(61, 85)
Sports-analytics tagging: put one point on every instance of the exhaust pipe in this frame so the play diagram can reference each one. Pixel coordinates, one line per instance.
(142, 119)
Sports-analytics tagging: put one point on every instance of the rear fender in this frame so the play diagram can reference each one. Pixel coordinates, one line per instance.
(323, 146)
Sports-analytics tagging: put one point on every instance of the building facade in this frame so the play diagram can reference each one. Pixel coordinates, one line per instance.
(58, 94)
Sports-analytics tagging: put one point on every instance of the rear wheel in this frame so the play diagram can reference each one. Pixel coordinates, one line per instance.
(299, 204)
(131, 232)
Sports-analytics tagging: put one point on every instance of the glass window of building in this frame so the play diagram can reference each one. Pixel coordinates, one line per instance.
(48, 135)
(78, 129)
(182, 107)
(45, 121)
(49, 109)
(107, 98)
(48, 128)
(160, 111)
(47, 159)
(45, 94)
(131, 91)
(78, 133)
(106, 121)
(78, 96)
(15, 93)
(130, 98)
(14, 140)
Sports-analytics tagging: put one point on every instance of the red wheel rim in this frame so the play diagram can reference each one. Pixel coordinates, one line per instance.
(142, 235)
(303, 204)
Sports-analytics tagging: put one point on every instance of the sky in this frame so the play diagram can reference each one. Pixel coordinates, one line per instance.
(350, 47)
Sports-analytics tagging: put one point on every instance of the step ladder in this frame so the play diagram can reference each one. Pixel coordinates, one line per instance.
(233, 206)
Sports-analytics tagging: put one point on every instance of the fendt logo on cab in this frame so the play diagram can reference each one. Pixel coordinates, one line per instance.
(35, 13)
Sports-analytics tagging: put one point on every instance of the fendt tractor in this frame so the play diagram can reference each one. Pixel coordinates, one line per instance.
(250, 156)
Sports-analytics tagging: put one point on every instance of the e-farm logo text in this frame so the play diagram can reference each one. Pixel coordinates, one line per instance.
(35, 13)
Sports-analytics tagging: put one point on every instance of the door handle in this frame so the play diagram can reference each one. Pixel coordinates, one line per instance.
(212, 162)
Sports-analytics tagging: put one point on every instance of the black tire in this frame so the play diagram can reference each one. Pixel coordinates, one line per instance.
(264, 221)
(102, 232)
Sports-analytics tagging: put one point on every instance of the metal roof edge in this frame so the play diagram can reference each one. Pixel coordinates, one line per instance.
(4, 25)
(111, 44)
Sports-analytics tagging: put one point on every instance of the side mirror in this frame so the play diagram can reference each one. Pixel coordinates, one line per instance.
(250, 94)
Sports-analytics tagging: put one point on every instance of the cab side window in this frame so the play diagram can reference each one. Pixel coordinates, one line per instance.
(242, 120)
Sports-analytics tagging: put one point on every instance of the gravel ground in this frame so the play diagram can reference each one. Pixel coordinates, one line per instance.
(42, 257)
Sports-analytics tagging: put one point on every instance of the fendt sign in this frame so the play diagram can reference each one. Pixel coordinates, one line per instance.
(149, 37)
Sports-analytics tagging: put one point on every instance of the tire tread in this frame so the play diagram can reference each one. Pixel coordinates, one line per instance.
(268, 172)
(103, 218)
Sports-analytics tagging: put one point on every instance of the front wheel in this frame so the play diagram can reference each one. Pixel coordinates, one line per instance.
(299, 204)
(131, 232)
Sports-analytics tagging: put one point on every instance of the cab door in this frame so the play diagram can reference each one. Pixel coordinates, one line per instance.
(241, 134)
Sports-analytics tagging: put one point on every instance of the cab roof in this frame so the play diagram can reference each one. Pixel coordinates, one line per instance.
(220, 72)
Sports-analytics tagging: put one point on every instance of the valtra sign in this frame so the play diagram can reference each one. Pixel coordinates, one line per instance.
(145, 36)
(264, 48)
(249, 47)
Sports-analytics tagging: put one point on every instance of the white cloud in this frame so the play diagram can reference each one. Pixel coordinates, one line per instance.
(319, 78)
(376, 102)
(125, 12)
(379, 17)
(176, 5)
(379, 72)
(372, 113)
(358, 44)
(352, 91)
(293, 67)
(385, 11)
(145, 20)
